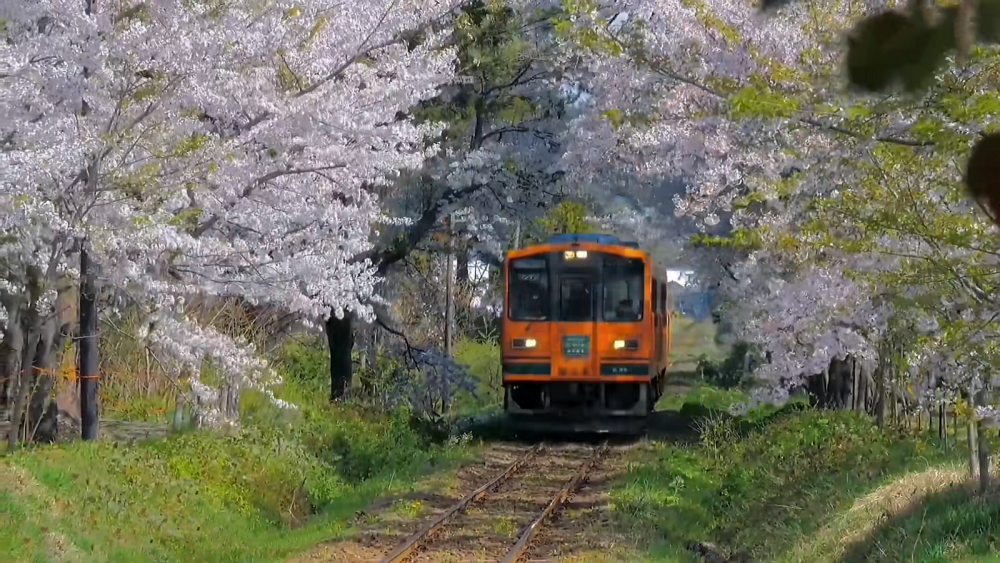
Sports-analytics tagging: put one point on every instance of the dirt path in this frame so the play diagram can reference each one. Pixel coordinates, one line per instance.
(488, 529)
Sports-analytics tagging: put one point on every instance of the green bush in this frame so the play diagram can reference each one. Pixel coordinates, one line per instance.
(304, 360)
(730, 372)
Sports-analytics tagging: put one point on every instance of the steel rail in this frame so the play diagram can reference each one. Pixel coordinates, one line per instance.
(411, 544)
(521, 547)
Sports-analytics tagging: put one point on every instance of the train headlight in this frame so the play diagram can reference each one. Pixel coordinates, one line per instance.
(571, 254)
(626, 345)
(525, 343)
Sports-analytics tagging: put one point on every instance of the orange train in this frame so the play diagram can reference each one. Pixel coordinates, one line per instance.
(586, 329)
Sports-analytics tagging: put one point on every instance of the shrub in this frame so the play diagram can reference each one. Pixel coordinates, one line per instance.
(730, 372)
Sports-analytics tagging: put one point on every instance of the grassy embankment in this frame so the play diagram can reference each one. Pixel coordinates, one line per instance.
(284, 484)
(806, 486)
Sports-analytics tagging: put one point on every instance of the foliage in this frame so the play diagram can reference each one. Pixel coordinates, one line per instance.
(566, 217)
(730, 372)
(482, 359)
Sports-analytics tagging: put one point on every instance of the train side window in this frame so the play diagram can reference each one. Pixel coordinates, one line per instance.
(663, 298)
(624, 282)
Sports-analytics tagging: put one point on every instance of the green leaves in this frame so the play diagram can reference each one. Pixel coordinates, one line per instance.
(616, 117)
(567, 217)
(760, 100)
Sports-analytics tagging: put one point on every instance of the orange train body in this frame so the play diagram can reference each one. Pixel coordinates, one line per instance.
(586, 328)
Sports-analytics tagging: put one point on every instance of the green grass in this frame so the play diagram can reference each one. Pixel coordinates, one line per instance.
(808, 486)
(700, 395)
(691, 339)
(284, 483)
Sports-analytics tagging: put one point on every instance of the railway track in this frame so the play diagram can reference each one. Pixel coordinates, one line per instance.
(424, 538)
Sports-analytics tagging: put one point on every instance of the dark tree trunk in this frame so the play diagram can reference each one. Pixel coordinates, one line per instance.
(983, 451)
(840, 382)
(89, 352)
(340, 340)
(863, 389)
(25, 380)
(42, 422)
(10, 357)
(833, 388)
(880, 395)
(816, 385)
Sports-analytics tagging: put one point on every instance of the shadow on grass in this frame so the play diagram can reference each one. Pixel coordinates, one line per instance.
(953, 524)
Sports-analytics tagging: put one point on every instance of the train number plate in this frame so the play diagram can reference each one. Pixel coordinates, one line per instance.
(576, 346)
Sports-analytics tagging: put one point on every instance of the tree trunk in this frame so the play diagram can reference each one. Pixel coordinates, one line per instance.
(340, 340)
(449, 312)
(880, 394)
(31, 330)
(10, 358)
(89, 357)
(41, 425)
(864, 390)
(894, 400)
(984, 446)
(8, 367)
(972, 435)
(941, 432)
(855, 384)
(179, 411)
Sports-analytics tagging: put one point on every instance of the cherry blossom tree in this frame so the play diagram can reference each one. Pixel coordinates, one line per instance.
(198, 148)
(849, 221)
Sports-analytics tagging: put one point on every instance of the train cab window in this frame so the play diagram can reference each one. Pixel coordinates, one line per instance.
(624, 279)
(576, 301)
(528, 291)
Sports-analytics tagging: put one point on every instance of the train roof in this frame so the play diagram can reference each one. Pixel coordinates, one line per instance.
(560, 242)
(610, 240)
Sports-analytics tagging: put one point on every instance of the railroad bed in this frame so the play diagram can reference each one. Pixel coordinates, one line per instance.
(524, 497)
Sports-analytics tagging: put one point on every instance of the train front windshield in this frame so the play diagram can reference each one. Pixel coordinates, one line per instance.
(529, 289)
(576, 287)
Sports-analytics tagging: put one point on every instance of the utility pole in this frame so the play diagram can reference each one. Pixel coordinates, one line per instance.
(88, 349)
(449, 309)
